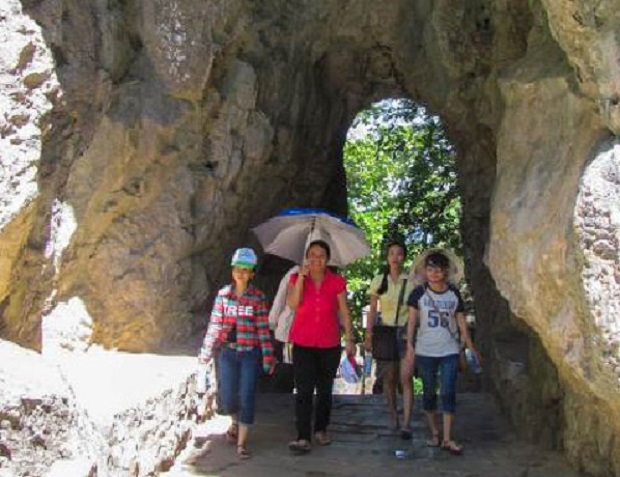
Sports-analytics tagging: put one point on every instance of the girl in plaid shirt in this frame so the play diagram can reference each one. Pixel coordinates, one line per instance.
(239, 328)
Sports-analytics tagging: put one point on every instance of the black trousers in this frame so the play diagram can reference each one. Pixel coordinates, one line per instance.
(314, 368)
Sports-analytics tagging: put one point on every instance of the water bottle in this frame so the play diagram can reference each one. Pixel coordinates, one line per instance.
(202, 378)
(401, 454)
(367, 364)
(472, 362)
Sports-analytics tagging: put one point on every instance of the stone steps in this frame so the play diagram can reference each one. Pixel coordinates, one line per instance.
(363, 446)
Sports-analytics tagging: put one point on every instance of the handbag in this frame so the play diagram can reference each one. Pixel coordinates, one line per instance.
(388, 341)
(283, 378)
(384, 347)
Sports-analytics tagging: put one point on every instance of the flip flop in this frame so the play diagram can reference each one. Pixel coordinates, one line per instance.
(243, 453)
(452, 447)
(300, 446)
(433, 441)
(232, 433)
(406, 433)
(322, 438)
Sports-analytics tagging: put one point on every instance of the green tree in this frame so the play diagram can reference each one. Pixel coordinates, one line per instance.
(401, 180)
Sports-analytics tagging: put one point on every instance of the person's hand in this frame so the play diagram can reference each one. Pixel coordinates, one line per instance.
(349, 347)
(304, 269)
(368, 341)
(270, 368)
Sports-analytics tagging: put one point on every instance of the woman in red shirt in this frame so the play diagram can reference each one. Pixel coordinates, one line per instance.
(317, 296)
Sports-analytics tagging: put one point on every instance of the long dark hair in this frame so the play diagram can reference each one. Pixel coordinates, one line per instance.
(386, 271)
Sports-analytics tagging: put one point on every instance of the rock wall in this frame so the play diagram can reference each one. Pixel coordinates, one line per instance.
(168, 129)
(40, 423)
(49, 427)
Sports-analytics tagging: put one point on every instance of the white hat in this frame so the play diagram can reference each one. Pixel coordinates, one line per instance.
(244, 257)
(455, 270)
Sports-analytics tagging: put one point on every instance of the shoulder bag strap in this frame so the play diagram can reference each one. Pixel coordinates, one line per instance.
(400, 301)
(455, 336)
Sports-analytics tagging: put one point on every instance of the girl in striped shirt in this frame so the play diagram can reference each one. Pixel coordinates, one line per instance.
(239, 328)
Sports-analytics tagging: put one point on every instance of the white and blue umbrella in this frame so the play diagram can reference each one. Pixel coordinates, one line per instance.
(288, 234)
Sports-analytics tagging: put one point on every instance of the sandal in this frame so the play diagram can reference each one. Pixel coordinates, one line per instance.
(243, 453)
(322, 438)
(406, 433)
(433, 441)
(232, 433)
(300, 446)
(452, 447)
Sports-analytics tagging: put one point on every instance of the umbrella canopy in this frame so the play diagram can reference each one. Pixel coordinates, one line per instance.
(288, 234)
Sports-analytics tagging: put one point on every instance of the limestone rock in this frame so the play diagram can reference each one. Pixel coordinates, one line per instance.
(40, 421)
(94, 413)
(177, 126)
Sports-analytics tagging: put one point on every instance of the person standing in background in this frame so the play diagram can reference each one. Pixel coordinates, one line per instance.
(388, 291)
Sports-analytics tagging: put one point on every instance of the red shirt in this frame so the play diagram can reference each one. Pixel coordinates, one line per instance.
(316, 322)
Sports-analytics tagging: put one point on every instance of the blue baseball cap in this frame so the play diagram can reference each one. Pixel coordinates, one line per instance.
(244, 257)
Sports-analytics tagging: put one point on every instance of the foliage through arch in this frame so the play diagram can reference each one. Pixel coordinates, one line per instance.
(401, 180)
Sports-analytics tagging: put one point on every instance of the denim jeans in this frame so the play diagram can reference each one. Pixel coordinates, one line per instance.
(448, 367)
(314, 368)
(238, 377)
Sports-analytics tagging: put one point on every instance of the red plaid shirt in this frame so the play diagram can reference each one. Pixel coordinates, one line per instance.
(248, 315)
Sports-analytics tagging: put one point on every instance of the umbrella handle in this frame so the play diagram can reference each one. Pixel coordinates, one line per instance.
(310, 234)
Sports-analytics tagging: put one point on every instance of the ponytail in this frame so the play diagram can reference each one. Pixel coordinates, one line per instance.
(384, 282)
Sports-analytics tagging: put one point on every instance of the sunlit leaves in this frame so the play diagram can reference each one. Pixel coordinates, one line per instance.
(400, 177)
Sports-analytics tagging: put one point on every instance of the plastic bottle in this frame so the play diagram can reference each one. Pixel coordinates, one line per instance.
(367, 364)
(202, 378)
(472, 362)
(402, 454)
